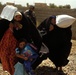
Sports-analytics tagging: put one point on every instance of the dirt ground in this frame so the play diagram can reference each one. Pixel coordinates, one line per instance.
(47, 67)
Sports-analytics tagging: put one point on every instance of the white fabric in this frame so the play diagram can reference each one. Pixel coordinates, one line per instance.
(8, 12)
(17, 13)
(19, 69)
(64, 21)
(44, 49)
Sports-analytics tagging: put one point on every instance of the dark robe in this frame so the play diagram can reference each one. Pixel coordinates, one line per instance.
(4, 25)
(28, 31)
(58, 41)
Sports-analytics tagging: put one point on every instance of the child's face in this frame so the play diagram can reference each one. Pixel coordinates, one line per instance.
(21, 45)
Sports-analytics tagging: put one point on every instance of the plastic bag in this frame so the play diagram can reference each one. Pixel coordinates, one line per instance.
(44, 49)
(64, 21)
(8, 12)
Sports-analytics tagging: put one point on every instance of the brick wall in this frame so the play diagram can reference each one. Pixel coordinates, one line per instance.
(44, 12)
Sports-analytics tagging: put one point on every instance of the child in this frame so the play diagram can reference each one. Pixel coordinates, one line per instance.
(26, 52)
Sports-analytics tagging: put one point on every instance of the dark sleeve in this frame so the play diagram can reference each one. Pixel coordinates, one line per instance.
(27, 13)
(67, 33)
(31, 15)
(4, 25)
(33, 33)
(35, 36)
(42, 25)
(29, 32)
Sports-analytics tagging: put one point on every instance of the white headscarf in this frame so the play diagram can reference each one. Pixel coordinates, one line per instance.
(17, 13)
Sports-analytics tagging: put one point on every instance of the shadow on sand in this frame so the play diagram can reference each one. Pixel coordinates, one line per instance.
(45, 70)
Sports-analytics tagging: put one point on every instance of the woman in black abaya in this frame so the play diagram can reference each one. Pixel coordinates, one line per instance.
(28, 30)
(58, 40)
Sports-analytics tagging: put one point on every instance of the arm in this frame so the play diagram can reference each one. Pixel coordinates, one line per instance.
(21, 56)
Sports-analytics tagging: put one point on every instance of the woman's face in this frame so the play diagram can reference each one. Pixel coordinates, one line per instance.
(18, 18)
(53, 21)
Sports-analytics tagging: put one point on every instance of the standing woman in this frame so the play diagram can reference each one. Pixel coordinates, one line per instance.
(58, 41)
(8, 44)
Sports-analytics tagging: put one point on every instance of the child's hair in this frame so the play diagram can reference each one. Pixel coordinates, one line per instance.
(22, 40)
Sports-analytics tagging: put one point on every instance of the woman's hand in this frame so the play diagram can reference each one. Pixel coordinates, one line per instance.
(17, 25)
(11, 26)
(51, 27)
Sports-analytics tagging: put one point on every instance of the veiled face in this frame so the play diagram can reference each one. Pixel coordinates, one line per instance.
(53, 21)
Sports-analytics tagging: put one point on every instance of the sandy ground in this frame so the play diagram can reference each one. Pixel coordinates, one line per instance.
(47, 67)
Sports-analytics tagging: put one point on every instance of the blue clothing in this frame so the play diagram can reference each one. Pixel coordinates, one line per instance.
(28, 52)
(31, 54)
(19, 69)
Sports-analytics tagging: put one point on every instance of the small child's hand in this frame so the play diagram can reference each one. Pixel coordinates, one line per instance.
(22, 54)
(51, 27)
(31, 59)
(25, 58)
